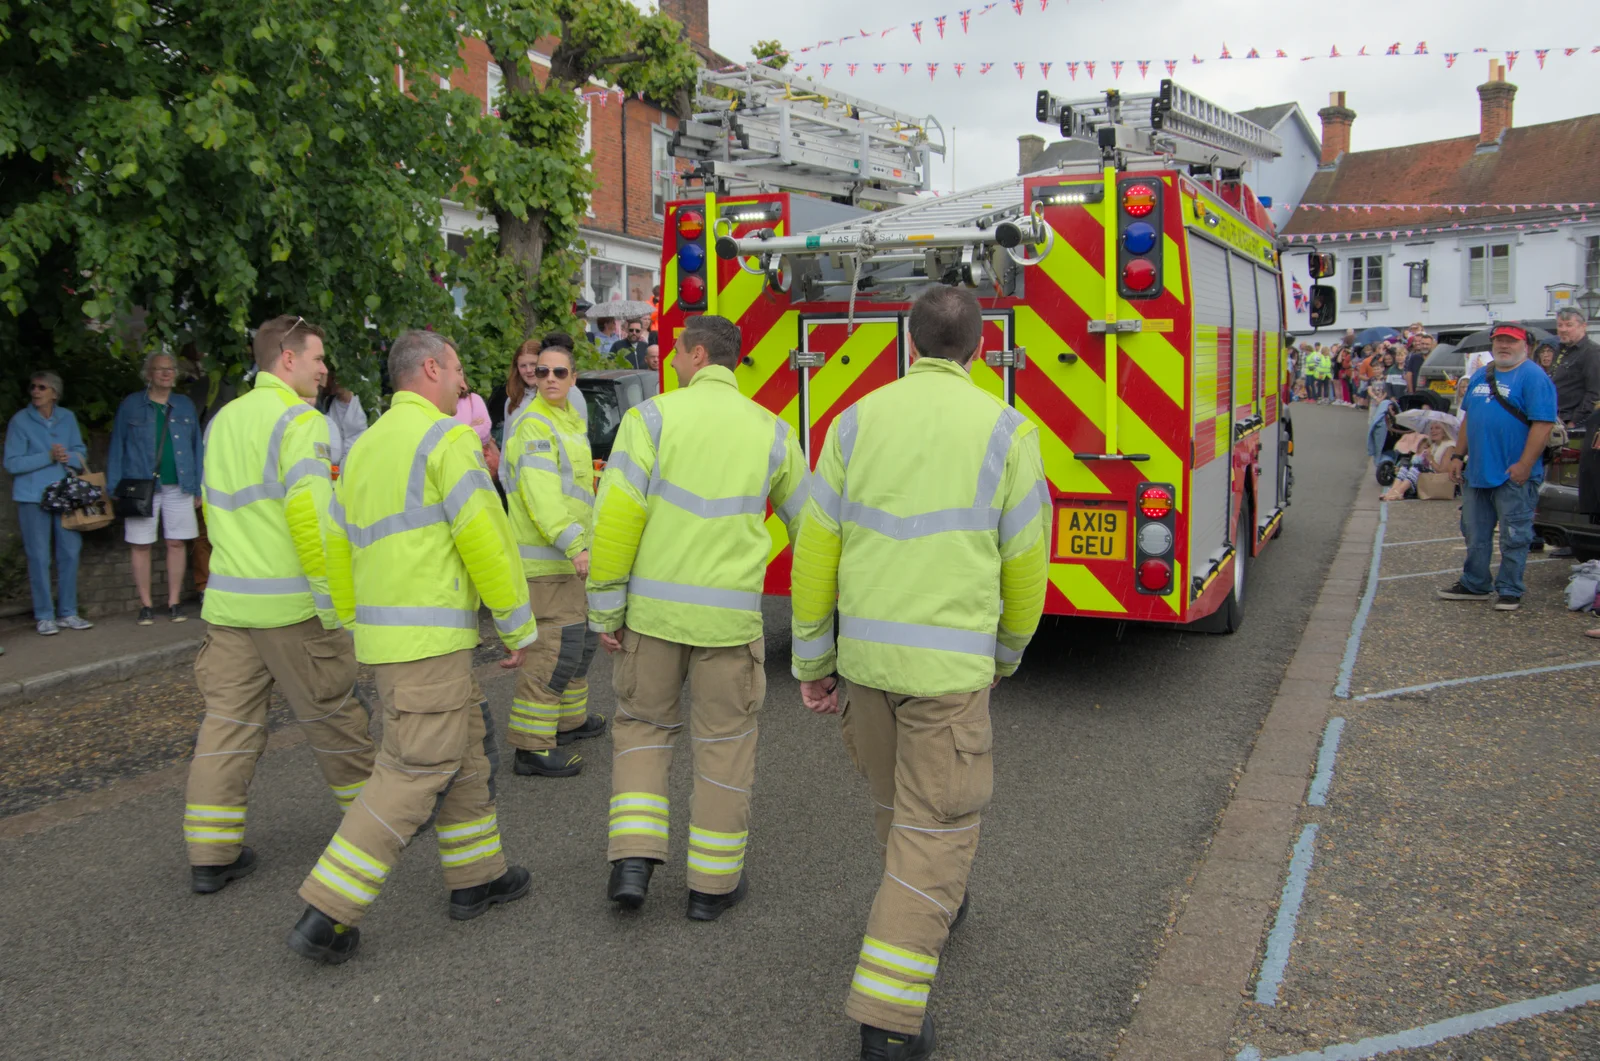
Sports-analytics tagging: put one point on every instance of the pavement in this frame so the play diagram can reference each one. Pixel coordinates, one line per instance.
(116, 649)
(1118, 750)
(1450, 887)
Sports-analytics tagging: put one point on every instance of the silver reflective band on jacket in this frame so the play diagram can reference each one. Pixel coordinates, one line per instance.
(562, 466)
(454, 618)
(269, 487)
(815, 648)
(651, 484)
(416, 514)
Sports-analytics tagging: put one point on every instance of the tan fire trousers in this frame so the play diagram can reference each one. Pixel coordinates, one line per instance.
(726, 688)
(433, 747)
(236, 671)
(552, 693)
(929, 763)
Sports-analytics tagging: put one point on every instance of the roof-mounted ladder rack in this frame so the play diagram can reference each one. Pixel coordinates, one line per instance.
(1173, 123)
(760, 129)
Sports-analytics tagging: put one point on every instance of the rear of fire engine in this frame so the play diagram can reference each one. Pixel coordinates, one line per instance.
(1132, 305)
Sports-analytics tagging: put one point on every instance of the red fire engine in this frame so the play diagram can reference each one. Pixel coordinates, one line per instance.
(1133, 309)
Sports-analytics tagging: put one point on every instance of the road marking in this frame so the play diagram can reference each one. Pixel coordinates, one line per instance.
(1477, 678)
(1324, 775)
(1439, 1031)
(1451, 570)
(1282, 935)
(1421, 541)
(1352, 647)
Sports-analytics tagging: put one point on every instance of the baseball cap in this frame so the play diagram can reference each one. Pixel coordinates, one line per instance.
(1515, 331)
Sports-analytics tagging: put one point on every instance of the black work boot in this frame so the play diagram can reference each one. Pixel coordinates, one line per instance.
(468, 903)
(880, 1045)
(207, 879)
(707, 907)
(593, 726)
(322, 939)
(552, 763)
(630, 880)
(961, 912)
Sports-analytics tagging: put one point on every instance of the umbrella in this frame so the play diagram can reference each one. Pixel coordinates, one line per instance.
(1419, 419)
(1479, 340)
(1375, 335)
(625, 308)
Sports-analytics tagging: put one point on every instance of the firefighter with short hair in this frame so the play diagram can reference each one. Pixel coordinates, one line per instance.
(929, 474)
(418, 536)
(267, 490)
(675, 578)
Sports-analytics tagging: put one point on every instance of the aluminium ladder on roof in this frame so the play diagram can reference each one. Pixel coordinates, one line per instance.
(1172, 123)
(764, 129)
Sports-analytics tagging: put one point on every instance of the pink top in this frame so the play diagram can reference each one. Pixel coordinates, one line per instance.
(474, 412)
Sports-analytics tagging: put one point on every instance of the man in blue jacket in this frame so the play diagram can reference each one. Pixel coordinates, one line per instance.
(1506, 417)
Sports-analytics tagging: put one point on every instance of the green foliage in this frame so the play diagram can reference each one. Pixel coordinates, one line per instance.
(535, 180)
(174, 173)
(770, 53)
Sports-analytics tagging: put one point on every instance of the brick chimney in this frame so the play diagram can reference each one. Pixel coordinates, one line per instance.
(1336, 121)
(1029, 148)
(692, 16)
(1494, 105)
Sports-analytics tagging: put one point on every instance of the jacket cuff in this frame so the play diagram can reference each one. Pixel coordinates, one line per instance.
(811, 670)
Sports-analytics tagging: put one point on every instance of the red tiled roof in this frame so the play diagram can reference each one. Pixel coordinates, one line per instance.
(1557, 162)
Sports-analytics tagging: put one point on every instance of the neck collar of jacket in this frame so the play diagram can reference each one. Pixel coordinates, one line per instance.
(543, 407)
(938, 364)
(267, 381)
(33, 410)
(412, 398)
(715, 374)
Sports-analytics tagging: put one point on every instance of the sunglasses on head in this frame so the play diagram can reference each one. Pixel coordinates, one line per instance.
(545, 371)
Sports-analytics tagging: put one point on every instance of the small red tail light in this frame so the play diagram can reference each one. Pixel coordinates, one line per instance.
(1155, 502)
(691, 290)
(1139, 200)
(1154, 575)
(691, 224)
(1140, 275)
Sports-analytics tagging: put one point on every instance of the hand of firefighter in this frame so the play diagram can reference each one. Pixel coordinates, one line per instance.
(610, 642)
(821, 696)
(513, 659)
(581, 563)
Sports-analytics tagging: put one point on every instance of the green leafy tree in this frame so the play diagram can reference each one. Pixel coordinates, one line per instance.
(173, 172)
(770, 53)
(535, 179)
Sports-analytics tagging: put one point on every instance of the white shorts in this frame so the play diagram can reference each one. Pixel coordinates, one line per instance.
(174, 516)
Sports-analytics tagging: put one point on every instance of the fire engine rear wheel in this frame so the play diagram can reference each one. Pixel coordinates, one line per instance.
(1230, 616)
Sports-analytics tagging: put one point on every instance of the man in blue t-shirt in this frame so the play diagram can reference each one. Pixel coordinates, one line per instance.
(1506, 417)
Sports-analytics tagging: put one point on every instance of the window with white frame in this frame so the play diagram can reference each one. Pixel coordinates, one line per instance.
(1591, 263)
(1489, 272)
(492, 92)
(1366, 280)
(660, 172)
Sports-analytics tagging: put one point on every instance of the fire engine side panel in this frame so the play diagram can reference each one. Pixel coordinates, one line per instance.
(1246, 338)
(1270, 302)
(1211, 415)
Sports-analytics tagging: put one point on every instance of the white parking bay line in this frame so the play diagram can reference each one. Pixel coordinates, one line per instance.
(1439, 1031)
(1282, 936)
(1323, 779)
(1352, 647)
(1451, 570)
(1422, 541)
(1477, 678)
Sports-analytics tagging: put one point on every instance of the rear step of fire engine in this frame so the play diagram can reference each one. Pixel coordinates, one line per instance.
(759, 129)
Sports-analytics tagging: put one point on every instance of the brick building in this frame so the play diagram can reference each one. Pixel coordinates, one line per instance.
(629, 138)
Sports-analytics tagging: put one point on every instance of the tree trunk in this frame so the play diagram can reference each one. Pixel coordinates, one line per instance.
(523, 242)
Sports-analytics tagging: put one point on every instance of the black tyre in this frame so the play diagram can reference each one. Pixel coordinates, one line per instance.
(1228, 618)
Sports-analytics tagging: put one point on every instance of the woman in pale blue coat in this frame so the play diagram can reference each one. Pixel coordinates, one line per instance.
(42, 441)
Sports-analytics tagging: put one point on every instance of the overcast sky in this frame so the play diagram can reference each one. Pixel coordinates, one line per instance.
(1397, 100)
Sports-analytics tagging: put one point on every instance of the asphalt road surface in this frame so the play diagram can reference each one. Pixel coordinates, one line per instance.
(1114, 754)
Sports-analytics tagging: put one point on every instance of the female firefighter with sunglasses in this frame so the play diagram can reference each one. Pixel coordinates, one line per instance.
(550, 476)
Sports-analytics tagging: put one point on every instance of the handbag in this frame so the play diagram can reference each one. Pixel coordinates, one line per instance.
(97, 512)
(134, 498)
(1435, 486)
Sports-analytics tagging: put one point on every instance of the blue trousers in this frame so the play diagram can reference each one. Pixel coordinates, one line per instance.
(38, 527)
(1511, 506)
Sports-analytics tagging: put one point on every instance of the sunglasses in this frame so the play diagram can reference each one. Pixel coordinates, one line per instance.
(42, 387)
(545, 371)
(283, 343)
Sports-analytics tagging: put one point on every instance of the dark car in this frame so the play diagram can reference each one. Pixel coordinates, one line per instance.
(1557, 518)
(610, 393)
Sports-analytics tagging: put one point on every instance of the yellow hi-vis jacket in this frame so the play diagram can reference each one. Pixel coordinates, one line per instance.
(418, 534)
(680, 540)
(929, 525)
(552, 488)
(267, 489)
